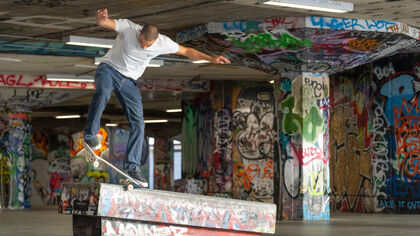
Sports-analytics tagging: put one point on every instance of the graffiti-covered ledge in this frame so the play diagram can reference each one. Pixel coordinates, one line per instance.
(310, 44)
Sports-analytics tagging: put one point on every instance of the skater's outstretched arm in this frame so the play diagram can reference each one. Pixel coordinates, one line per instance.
(103, 20)
(196, 55)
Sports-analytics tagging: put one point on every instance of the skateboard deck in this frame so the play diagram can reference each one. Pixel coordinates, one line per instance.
(129, 181)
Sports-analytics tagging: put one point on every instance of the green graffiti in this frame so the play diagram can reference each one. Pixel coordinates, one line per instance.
(266, 41)
(315, 178)
(312, 123)
(292, 123)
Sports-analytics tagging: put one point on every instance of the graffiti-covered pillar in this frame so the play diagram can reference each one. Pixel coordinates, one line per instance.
(302, 101)
(253, 142)
(15, 156)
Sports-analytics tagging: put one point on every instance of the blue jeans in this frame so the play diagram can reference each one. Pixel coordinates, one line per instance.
(108, 79)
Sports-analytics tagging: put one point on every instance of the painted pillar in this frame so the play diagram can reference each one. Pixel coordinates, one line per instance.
(220, 180)
(253, 142)
(15, 156)
(302, 101)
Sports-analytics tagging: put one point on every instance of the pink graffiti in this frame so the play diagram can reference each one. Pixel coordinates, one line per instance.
(278, 21)
(307, 155)
(12, 80)
(60, 84)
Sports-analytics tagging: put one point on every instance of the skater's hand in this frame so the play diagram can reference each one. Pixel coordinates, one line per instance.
(103, 20)
(220, 60)
(101, 15)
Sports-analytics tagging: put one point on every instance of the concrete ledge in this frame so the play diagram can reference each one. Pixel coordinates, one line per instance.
(167, 208)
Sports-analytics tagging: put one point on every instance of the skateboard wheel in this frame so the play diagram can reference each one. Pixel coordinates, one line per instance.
(96, 164)
(130, 187)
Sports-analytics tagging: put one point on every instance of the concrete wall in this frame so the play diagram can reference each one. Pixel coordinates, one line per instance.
(228, 142)
(375, 148)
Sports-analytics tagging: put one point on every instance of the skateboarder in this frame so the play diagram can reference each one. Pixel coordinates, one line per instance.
(118, 71)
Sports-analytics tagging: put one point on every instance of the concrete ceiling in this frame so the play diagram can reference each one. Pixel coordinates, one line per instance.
(47, 21)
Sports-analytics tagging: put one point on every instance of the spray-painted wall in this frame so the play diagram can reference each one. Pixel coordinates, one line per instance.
(221, 174)
(163, 163)
(303, 117)
(39, 165)
(375, 137)
(58, 156)
(253, 143)
(15, 154)
(351, 141)
(197, 149)
(240, 163)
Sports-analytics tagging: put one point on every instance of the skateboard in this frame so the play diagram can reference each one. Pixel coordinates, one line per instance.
(94, 159)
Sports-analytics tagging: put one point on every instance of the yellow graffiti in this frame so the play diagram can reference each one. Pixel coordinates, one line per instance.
(97, 175)
(315, 179)
(40, 142)
(4, 170)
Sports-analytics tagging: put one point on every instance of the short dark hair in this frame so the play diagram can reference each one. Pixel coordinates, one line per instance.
(150, 32)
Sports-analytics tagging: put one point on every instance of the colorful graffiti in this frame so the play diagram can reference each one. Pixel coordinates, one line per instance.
(15, 154)
(121, 227)
(398, 98)
(83, 171)
(186, 209)
(303, 119)
(302, 44)
(188, 140)
(253, 149)
(163, 164)
(118, 139)
(79, 199)
(376, 132)
(222, 171)
(39, 169)
(58, 163)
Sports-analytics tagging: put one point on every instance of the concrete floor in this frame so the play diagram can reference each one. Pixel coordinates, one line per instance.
(46, 221)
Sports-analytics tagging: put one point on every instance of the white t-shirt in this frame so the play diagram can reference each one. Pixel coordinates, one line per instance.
(126, 55)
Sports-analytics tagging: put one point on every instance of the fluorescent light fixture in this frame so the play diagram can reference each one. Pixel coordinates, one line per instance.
(271, 81)
(10, 59)
(155, 63)
(200, 61)
(174, 110)
(111, 124)
(68, 117)
(85, 66)
(316, 5)
(88, 41)
(72, 78)
(155, 121)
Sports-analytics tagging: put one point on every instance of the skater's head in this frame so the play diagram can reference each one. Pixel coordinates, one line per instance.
(148, 35)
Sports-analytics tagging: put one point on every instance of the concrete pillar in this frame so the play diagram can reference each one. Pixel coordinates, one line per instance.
(15, 157)
(302, 102)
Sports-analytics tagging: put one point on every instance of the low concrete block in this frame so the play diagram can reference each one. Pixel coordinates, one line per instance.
(164, 209)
